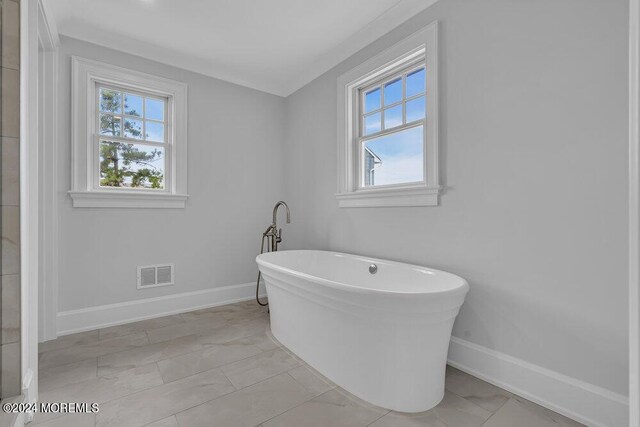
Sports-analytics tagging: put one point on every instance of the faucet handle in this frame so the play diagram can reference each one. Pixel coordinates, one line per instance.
(279, 236)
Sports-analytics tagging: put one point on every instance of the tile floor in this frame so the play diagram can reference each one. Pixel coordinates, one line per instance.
(220, 367)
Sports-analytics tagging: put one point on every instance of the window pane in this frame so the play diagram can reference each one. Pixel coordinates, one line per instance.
(110, 101)
(394, 159)
(110, 125)
(154, 109)
(393, 92)
(372, 124)
(372, 100)
(416, 82)
(393, 116)
(132, 105)
(131, 165)
(154, 131)
(133, 128)
(415, 109)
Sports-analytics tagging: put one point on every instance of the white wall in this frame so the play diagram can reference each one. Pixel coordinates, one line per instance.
(534, 156)
(235, 177)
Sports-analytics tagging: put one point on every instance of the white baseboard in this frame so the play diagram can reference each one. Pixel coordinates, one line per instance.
(87, 319)
(581, 401)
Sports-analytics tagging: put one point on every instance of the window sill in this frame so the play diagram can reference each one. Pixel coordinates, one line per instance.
(390, 197)
(120, 199)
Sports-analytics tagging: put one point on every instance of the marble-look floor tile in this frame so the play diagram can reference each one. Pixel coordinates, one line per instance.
(10, 308)
(451, 411)
(163, 401)
(141, 326)
(116, 362)
(69, 341)
(227, 332)
(184, 328)
(231, 312)
(165, 422)
(332, 408)
(88, 351)
(249, 406)
(64, 375)
(522, 413)
(260, 367)
(71, 420)
(311, 380)
(264, 341)
(102, 389)
(212, 356)
(475, 390)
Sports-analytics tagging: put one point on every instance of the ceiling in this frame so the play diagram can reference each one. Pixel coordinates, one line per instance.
(276, 46)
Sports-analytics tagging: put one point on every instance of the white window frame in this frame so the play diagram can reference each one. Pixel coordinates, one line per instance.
(422, 46)
(85, 189)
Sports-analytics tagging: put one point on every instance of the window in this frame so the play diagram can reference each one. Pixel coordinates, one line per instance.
(132, 139)
(391, 131)
(129, 138)
(387, 118)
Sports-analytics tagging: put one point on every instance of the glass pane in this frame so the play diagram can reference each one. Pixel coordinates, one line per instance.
(110, 101)
(110, 125)
(154, 109)
(394, 159)
(154, 131)
(132, 105)
(372, 124)
(131, 165)
(415, 109)
(133, 128)
(393, 92)
(416, 82)
(372, 100)
(393, 116)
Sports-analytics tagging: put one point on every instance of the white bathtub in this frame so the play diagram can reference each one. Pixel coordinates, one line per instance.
(383, 337)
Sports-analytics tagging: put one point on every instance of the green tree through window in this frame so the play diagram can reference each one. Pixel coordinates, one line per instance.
(124, 164)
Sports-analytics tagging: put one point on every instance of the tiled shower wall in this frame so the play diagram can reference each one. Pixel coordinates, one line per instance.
(10, 198)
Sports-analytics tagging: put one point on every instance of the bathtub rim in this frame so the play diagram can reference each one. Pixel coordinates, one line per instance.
(462, 289)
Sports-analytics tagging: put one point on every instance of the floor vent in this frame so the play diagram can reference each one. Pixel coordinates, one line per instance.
(150, 276)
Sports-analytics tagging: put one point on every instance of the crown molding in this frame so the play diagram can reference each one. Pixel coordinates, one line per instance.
(47, 28)
(396, 15)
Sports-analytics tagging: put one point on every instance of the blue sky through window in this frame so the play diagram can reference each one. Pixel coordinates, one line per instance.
(402, 156)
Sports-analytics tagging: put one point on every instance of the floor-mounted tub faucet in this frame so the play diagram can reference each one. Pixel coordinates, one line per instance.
(273, 236)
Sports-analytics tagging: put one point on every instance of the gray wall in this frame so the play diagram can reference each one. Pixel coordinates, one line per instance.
(235, 176)
(534, 156)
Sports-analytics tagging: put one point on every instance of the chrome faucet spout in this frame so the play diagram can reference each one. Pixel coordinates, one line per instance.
(275, 211)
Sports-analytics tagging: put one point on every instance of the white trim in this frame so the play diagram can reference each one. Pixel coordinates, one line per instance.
(634, 213)
(131, 199)
(581, 401)
(85, 74)
(29, 209)
(421, 44)
(390, 197)
(47, 29)
(48, 165)
(28, 387)
(87, 319)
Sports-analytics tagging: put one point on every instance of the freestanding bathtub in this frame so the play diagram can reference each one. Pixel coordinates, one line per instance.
(382, 336)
